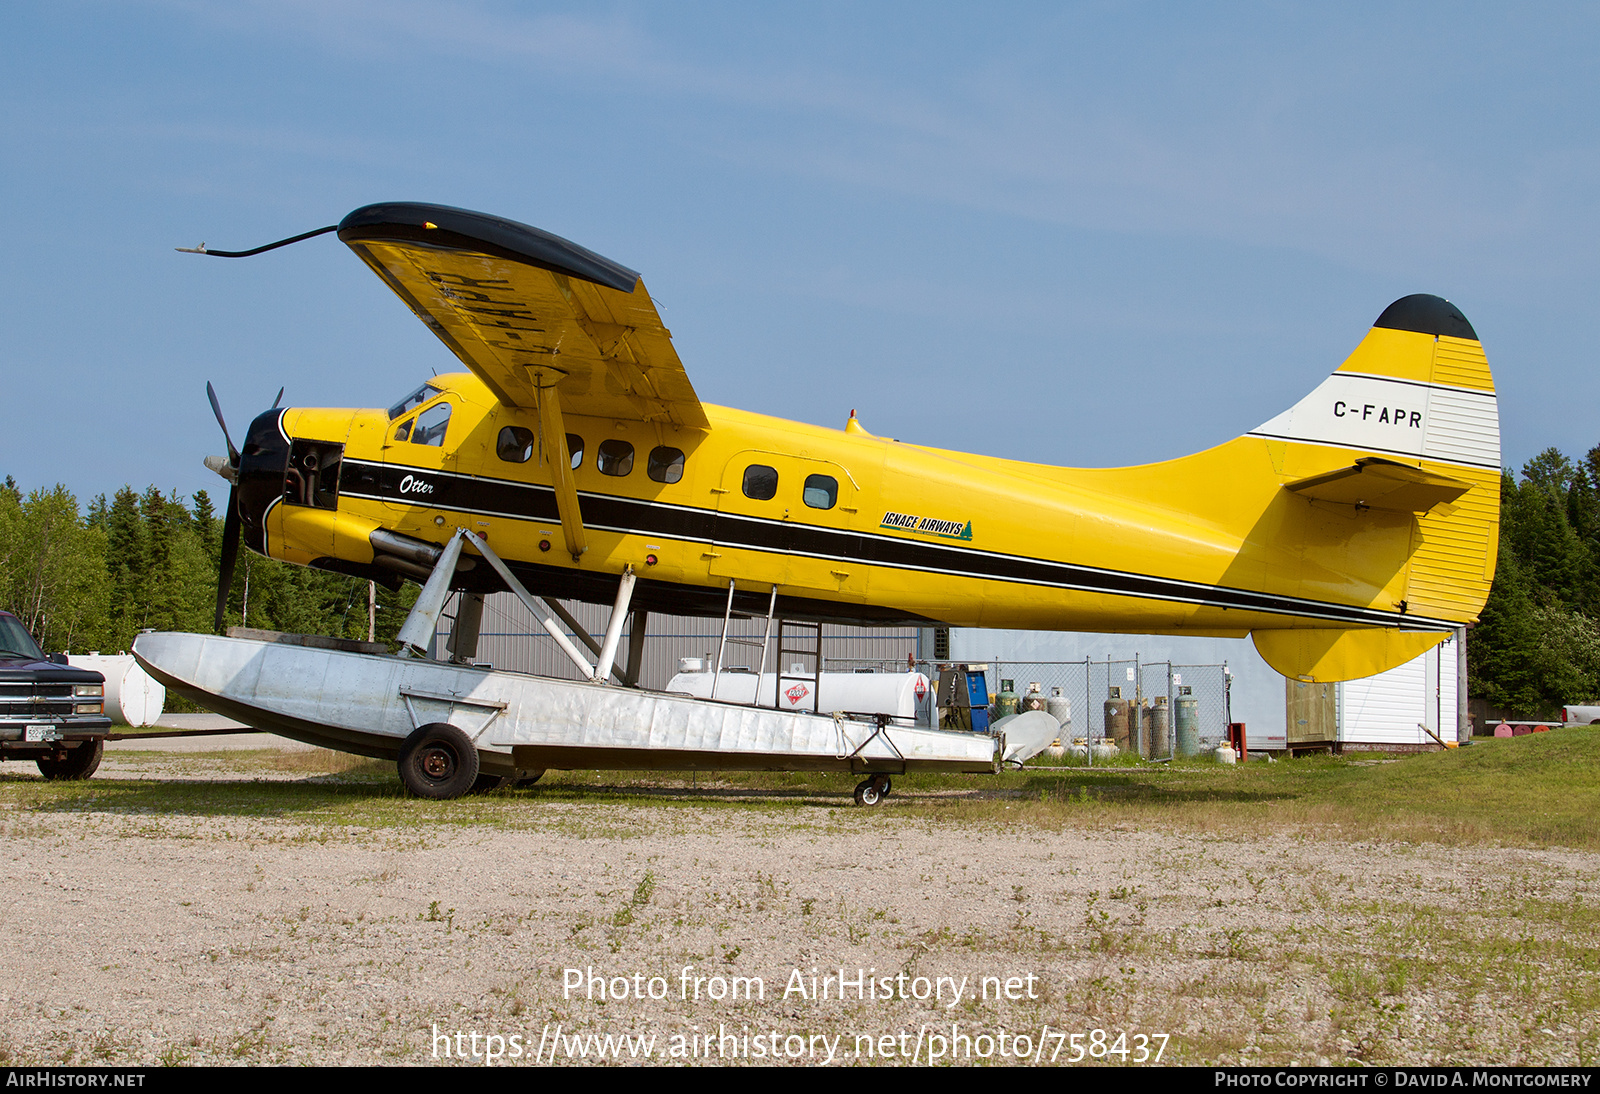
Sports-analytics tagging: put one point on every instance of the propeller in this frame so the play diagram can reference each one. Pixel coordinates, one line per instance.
(228, 469)
(216, 408)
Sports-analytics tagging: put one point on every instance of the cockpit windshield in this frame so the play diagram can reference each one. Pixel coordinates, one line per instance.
(412, 401)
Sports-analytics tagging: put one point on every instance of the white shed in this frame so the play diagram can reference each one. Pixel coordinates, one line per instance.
(1389, 710)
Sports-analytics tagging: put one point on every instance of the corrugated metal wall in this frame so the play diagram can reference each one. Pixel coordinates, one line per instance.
(511, 639)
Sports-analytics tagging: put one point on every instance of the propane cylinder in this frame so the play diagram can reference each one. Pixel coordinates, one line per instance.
(1116, 712)
(1034, 698)
(1159, 728)
(1187, 716)
(1006, 702)
(1060, 708)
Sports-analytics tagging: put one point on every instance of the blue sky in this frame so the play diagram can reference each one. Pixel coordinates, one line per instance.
(1083, 234)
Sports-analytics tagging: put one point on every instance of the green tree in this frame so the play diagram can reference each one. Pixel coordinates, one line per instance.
(54, 576)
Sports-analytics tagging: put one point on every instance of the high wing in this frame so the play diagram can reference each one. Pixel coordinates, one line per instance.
(526, 310)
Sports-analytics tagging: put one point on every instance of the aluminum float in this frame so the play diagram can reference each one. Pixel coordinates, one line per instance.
(456, 727)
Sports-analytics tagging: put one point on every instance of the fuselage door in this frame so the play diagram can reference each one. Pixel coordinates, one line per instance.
(417, 446)
(788, 521)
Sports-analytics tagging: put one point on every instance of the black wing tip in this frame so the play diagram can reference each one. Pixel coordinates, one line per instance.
(1427, 314)
(463, 229)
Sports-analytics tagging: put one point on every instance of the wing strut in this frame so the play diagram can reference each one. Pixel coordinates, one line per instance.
(555, 450)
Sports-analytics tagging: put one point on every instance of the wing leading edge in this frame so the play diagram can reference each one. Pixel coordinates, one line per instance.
(524, 310)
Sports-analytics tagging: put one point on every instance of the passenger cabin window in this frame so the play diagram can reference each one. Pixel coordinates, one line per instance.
(760, 482)
(515, 444)
(403, 430)
(821, 491)
(412, 401)
(431, 424)
(614, 458)
(666, 464)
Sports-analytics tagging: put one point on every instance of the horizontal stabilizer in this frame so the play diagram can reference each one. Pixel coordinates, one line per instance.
(1375, 483)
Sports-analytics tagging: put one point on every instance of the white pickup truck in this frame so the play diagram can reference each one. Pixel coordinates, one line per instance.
(1580, 715)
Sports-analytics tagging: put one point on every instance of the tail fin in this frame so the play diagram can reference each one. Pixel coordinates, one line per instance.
(1408, 424)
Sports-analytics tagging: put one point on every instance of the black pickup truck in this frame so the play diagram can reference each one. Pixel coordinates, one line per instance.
(50, 712)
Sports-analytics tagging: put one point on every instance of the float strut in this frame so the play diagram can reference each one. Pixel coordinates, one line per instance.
(416, 635)
(619, 614)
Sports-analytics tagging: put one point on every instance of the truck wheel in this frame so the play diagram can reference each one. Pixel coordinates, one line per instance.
(438, 761)
(81, 762)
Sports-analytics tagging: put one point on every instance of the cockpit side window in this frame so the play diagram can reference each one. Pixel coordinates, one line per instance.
(412, 401)
(431, 424)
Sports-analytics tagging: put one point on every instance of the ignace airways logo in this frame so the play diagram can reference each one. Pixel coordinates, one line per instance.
(931, 526)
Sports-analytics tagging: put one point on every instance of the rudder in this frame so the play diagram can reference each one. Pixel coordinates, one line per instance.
(1417, 393)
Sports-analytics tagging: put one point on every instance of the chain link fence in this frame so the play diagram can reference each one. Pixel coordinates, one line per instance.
(1154, 709)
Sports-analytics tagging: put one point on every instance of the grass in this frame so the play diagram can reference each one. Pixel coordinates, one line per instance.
(1285, 957)
(1541, 790)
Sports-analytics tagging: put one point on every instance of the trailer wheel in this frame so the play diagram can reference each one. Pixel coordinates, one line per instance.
(883, 784)
(527, 777)
(867, 792)
(438, 761)
(81, 762)
(487, 784)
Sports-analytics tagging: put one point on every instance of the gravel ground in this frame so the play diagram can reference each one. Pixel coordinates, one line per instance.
(168, 937)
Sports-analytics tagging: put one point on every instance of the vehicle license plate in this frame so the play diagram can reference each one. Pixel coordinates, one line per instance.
(41, 733)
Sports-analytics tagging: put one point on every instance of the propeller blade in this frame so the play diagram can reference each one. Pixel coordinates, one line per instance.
(279, 399)
(216, 408)
(230, 555)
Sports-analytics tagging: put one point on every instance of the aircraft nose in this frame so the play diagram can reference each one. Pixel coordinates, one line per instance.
(262, 461)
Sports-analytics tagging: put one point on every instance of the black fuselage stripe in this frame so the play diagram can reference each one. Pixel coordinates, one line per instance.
(629, 516)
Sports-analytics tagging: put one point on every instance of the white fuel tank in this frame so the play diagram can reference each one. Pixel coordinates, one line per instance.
(133, 698)
(893, 693)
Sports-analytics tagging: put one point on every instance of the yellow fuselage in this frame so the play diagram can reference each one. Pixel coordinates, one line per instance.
(1207, 544)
